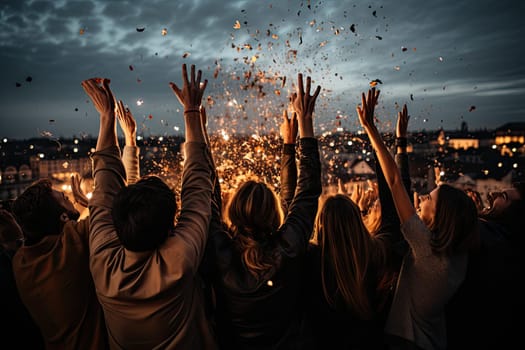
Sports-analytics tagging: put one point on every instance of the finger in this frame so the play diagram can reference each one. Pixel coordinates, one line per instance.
(308, 85)
(199, 75)
(185, 74)
(285, 116)
(317, 91)
(192, 74)
(363, 101)
(300, 84)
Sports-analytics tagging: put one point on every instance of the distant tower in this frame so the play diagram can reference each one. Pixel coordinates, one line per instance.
(464, 127)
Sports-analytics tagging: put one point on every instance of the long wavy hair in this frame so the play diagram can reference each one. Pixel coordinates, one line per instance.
(253, 216)
(347, 253)
(455, 224)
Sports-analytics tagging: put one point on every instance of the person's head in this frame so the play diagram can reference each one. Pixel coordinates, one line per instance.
(41, 211)
(451, 216)
(254, 215)
(507, 207)
(144, 214)
(346, 251)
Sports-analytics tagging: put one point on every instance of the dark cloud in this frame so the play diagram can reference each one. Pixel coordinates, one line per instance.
(458, 54)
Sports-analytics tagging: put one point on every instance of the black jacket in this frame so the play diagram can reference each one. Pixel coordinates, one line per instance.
(264, 312)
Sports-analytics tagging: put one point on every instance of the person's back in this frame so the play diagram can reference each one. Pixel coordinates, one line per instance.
(52, 271)
(257, 264)
(18, 325)
(143, 265)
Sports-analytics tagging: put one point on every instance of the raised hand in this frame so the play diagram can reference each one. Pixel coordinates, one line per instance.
(289, 128)
(100, 93)
(78, 194)
(366, 110)
(190, 95)
(304, 105)
(127, 123)
(402, 122)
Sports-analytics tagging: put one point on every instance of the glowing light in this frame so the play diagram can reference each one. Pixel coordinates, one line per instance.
(500, 164)
(224, 135)
(5, 140)
(75, 150)
(41, 155)
(89, 195)
(515, 165)
(161, 138)
(75, 142)
(31, 146)
(494, 146)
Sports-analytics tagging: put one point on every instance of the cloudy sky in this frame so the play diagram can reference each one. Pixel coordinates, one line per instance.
(450, 61)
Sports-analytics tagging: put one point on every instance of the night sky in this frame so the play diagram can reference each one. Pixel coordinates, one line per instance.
(449, 61)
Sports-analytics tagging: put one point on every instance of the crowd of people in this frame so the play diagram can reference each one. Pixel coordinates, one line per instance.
(257, 268)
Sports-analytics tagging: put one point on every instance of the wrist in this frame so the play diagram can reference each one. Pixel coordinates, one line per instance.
(401, 142)
(192, 110)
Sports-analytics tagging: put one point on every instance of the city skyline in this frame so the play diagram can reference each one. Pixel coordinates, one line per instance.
(450, 62)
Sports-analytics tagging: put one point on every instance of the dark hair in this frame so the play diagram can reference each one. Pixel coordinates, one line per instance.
(254, 215)
(348, 251)
(144, 213)
(455, 224)
(38, 211)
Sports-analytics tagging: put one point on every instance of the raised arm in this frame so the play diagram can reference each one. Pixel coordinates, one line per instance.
(130, 154)
(196, 191)
(401, 144)
(404, 206)
(301, 213)
(289, 131)
(108, 171)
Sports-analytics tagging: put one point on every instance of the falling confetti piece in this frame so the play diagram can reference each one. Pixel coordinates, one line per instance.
(352, 28)
(412, 97)
(150, 116)
(472, 108)
(140, 29)
(140, 102)
(397, 68)
(29, 79)
(186, 54)
(375, 82)
(81, 31)
(379, 37)
(440, 59)
(76, 109)
(277, 92)
(164, 32)
(130, 67)
(237, 25)
(51, 120)
(374, 13)
(275, 36)
(284, 82)
(18, 84)
(403, 48)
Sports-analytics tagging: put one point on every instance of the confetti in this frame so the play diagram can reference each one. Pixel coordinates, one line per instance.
(76, 109)
(237, 25)
(374, 13)
(472, 108)
(164, 31)
(140, 29)
(81, 31)
(375, 82)
(403, 48)
(51, 120)
(379, 37)
(150, 117)
(186, 54)
(130, 67)
(29, 79)
(352, 28)
(18, 84)
(440, 59)
(412, 97)
(140, 102)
